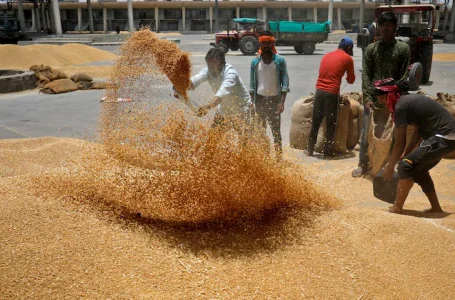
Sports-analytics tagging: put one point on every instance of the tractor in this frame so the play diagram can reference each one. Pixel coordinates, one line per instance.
(415, 27)
(243, 34)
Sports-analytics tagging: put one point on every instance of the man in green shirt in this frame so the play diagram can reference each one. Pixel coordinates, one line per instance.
(386, 58)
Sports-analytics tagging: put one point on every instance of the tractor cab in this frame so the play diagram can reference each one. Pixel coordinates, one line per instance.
(243, 34)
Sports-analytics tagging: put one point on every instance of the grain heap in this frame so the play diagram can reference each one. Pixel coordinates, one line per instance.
(159, 161)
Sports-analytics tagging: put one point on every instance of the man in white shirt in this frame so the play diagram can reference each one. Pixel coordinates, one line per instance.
(231, 96)
(269, 85)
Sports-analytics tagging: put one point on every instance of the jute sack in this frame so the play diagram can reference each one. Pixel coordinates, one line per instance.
(341, 132)
(353, 125)
(446, 101)
(380, 139)
(98, 85)
(59, 86)
(301, 116)
(81, 77)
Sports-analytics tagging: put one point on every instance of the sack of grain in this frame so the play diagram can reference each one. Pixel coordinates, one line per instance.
(99, 85)
(81, 77)
(354, 128)
(341, 132)
(301, 115)
(84, 85)
(446, 101)
(380, 139)
(59, 86)
(41, 80)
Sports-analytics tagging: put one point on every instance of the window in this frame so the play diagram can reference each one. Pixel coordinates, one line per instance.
(172, 13)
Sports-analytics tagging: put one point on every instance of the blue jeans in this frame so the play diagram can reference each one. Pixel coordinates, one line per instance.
(363, 155)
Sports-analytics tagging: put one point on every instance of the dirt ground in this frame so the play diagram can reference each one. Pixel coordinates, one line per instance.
(58, 249)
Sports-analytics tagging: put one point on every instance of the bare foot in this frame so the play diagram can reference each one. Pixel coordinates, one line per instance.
(433, 210)
(395, 210)
(308, 153)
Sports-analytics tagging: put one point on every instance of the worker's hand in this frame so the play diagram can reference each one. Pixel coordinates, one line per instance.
(368, 106)
(202, 111)
(280, 108)
(388, 172)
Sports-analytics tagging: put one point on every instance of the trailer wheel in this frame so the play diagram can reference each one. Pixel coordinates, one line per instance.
(223, 47)
(298, 49)
(415, 76)
(249, 45)
(426, 58)
(308, 48)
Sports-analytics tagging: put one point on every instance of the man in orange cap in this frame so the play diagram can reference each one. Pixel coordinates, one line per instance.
(269, 85)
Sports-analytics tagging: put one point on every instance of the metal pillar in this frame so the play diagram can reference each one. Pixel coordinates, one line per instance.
(315, 14)
(57, 19)
(264, 14)
(211, 19)
(290, 13)
(79, 19)
(157, 19)
(130, 16)
(183, 18)
(217, 16)
(340, 25)
(105, 19)
(21, 15)
(237, 12)
(330, 16)
(362, 15)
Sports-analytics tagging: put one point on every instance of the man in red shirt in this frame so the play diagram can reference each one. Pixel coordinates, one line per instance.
(331, 71)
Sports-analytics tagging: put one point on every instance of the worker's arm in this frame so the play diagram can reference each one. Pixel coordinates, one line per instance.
(225, 89)
(367, 76)
(415, 139)
(398, 148)
(405, 62)
(199, 78)
(350, 78)
(285, 78)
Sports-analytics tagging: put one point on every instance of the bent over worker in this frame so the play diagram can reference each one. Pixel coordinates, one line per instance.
(435, 128)
(331, 71)
(269, 85)
(231, 98)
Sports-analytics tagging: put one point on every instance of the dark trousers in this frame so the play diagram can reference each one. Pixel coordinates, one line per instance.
(324, 105)
(266, 111)
(418, 163)
(363, 153)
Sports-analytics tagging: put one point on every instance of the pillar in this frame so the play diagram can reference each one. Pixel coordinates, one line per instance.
(43, 17)
(446, 18)
(183, 18)
(362, 15)
(340, 25)
(130, 16)
(330, 16)
(79, 19)
(452, 17)
(33, 27)
(237, 12)
(315, 14)
(211, 18)
(37, 18)
(21, 15)
(290, 13)
(90, 16)
(105, 19)
(264, 14)
(57, 19)
(157, 19)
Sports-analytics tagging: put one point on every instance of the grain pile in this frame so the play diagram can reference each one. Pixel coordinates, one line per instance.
(22, 57)
(160, 162)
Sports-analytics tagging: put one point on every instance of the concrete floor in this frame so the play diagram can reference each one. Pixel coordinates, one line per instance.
(29, 114)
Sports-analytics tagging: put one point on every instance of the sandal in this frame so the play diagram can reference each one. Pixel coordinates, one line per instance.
(358, 172)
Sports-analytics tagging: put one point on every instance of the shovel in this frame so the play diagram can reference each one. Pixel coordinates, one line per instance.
(191, 104)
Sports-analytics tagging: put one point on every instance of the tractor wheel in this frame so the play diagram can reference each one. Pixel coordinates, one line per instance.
(249, 45)
(298, 49)
(415, 76)
(223, 48)
(426, 58)
(308, 48)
